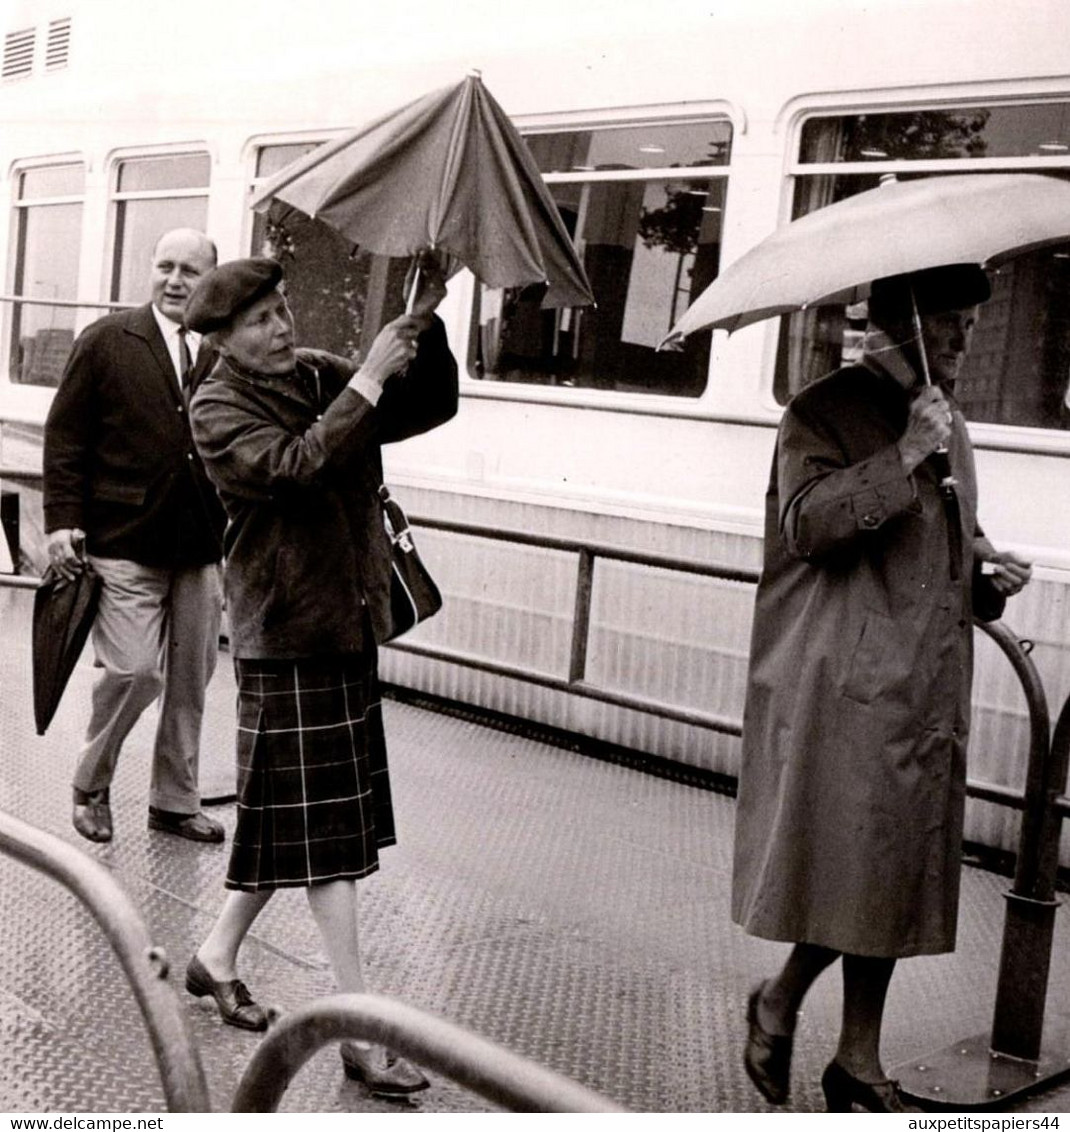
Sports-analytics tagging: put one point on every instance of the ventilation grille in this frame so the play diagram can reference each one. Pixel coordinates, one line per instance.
(58, 48)
(18, 54)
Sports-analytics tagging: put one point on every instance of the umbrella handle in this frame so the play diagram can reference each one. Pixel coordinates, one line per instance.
(943, 464)
(410, 302)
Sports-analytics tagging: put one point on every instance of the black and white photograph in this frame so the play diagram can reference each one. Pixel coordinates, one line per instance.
(535, 572)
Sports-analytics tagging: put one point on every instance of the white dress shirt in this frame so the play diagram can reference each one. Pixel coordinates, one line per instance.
(170, 330)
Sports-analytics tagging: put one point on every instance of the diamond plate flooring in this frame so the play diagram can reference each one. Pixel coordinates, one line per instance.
(572, 910)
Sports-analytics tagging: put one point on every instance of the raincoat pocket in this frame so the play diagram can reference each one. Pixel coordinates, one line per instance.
(868, 668)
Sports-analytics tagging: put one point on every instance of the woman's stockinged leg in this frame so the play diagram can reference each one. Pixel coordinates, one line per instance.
(334, 908)
(219, 951)
(782, 995)
(865, 989)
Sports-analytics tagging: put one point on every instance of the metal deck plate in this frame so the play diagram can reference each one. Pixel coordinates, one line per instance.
(572, 910)
(969, 1074)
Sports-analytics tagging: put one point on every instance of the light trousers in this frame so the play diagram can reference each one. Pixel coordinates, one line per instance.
(156, 634)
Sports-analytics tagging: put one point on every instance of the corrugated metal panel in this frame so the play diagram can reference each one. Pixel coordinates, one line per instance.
(673, 637)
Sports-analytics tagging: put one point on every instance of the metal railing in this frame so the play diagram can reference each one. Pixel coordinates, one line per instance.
(481, 1065)
(491, 1070)
(576, 683)
(145, 964)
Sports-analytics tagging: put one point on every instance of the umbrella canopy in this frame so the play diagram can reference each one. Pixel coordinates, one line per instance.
(832, 255)
(63, 614)
(450, 173)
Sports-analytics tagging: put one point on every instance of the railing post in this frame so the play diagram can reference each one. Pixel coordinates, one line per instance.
(144, 964)
(981, 1071)
(1025, 958)
(581, 618)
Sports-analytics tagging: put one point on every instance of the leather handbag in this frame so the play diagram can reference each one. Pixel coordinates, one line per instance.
(413, 594)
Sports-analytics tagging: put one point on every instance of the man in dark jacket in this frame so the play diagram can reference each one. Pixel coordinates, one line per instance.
(124, 488)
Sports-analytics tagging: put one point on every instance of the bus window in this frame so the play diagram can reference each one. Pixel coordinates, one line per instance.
(1018, 369)
(153, 195)
(339, 294)
(644, 206)
(44, 265)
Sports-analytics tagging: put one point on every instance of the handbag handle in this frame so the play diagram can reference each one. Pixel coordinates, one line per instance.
(397, 525)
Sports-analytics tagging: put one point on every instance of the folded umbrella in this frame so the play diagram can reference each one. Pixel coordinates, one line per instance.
(447, 173)
(63, 613)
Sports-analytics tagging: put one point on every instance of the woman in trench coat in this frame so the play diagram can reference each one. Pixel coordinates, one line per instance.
(852, 786)
(291, 439)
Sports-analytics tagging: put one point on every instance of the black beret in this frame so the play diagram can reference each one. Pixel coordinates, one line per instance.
(228, 289)
(936, 289)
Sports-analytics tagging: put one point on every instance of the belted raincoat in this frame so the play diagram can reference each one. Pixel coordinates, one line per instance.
(852, 785)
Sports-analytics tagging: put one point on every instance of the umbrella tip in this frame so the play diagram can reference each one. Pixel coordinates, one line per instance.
(475, 73)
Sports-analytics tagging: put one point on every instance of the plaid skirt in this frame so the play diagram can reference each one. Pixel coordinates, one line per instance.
(313, 787)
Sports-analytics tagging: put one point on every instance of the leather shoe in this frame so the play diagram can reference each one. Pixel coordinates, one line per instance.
(193, 827)
(843, 1092)
(385, 1074)
(236, 1005)
(91, 815)
(767, 1057)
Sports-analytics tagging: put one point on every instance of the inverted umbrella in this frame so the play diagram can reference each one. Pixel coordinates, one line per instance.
(63, 613)
(832, 255)
(447, 173)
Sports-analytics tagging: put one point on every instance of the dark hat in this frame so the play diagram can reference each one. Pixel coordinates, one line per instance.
(228, 289)
(936, 289)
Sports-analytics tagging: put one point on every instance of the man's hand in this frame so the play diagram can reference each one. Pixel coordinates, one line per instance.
(1008, 572)
(928, 427)
(66, 552)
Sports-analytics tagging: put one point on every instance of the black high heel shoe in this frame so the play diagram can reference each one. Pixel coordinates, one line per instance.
(842, 1092)
(767, 1057)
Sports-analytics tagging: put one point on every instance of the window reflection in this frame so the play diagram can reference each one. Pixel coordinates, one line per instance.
(1042, 129)
(649, 245)
(1018, 368)
(141, 220)
(340, 295)
(654, 146)
(45, 253)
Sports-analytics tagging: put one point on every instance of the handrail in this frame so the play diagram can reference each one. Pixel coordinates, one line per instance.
(608, 550)
(491, 1070)
(1025, 955)
(26, 301)
(144, 963)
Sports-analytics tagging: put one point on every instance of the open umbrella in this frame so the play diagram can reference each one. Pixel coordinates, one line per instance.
(447, 173)
(63, 613)
(833, 254)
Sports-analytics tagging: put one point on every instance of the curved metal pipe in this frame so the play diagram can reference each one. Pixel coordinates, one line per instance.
(145, 965)
(443, 1047)
(1031, 877)
(1029, 924)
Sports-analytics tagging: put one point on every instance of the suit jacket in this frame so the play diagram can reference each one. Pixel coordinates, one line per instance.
(119, 458)
(297, 462)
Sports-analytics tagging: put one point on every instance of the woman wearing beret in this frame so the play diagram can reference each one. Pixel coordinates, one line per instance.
(291, 439)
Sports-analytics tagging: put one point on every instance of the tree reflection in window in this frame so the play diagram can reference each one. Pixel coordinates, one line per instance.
(645, 214)
(1018, 369)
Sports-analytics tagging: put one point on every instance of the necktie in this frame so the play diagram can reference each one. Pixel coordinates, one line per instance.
(185, 359)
